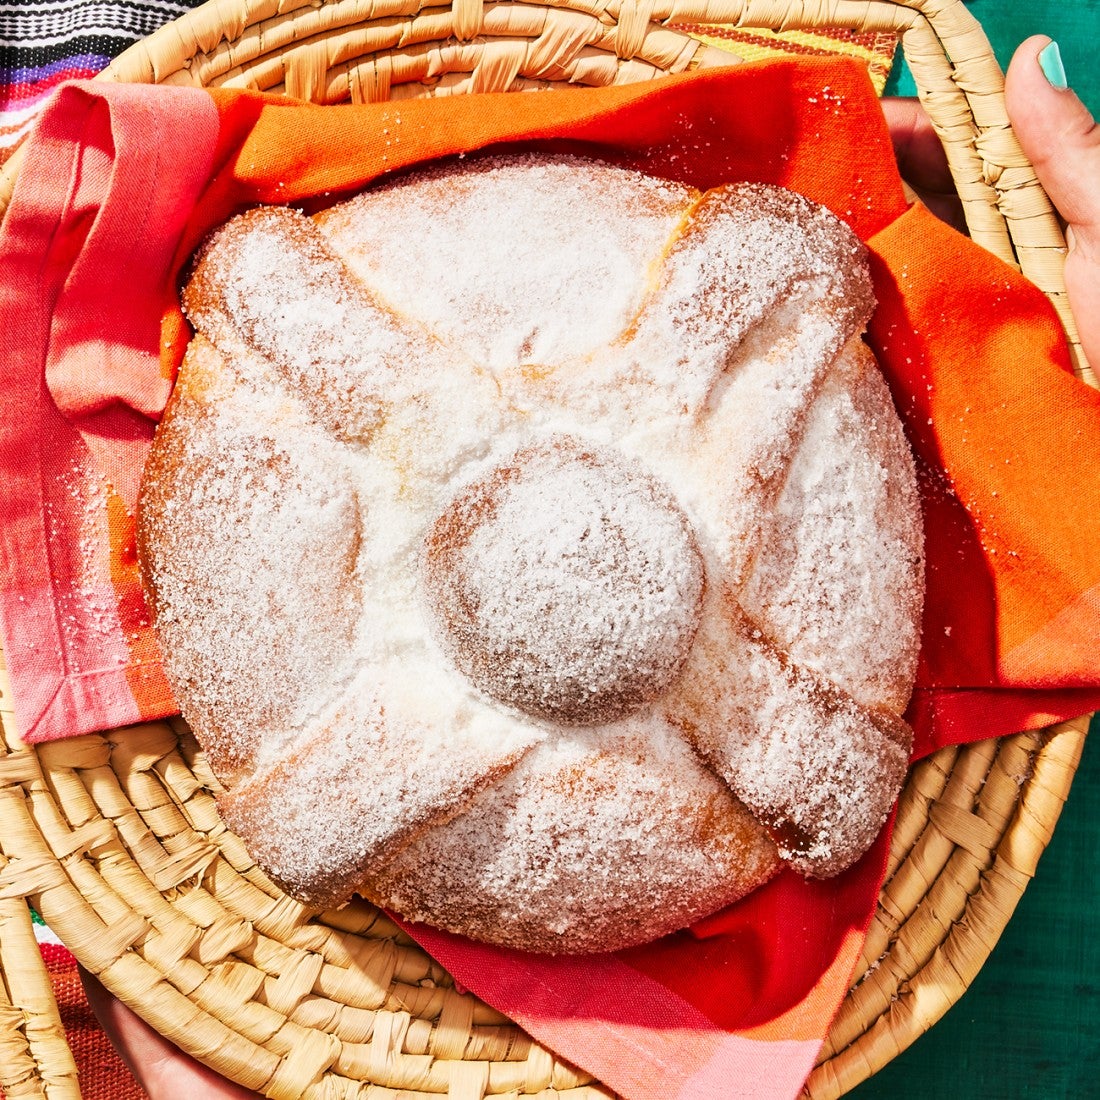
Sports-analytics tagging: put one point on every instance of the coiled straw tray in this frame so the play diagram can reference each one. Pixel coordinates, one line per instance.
(115, 839)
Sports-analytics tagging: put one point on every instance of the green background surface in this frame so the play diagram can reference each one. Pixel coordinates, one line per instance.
(1029, 1025)
(1074, 24)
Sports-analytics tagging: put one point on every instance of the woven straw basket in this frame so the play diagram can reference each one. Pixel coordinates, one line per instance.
(116, 840)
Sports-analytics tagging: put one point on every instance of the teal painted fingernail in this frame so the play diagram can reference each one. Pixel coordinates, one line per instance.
(1050, 61)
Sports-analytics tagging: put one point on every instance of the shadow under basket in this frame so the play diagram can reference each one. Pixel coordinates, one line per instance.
(116, 840)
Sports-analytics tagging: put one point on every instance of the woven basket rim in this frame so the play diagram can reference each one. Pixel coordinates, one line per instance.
(964, 811)
(309, 50)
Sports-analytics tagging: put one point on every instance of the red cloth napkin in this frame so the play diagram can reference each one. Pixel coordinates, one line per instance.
(118, 186)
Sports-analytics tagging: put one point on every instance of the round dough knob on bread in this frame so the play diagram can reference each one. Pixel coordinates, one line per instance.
(535, 550)
(564, 584)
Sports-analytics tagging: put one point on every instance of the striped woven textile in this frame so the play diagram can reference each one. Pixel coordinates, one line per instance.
(46, 42)
(876, 48)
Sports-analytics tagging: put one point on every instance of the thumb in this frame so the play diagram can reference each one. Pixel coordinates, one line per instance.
(1062, 141)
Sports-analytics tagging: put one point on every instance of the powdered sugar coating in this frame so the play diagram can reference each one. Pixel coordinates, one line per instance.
(565, 584)
(836, 535)
(706, 348)
(527, 313)
(817, 767)
(524, 851)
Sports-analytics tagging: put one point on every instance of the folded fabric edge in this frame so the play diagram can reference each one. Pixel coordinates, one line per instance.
(616, 1021)
(965, 715)
(87, 165)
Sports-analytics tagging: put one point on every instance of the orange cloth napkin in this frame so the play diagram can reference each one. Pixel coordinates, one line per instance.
(109, 206)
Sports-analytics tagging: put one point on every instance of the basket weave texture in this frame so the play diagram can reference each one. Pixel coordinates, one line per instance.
(116, 839)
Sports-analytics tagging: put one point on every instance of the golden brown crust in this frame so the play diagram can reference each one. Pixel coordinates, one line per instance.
(561, 623)
(519, 867)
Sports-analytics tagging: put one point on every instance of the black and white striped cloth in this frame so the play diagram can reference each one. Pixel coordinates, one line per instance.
(45, 42)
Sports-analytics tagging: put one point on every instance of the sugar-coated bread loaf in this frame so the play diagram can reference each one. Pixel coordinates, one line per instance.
(534, 547)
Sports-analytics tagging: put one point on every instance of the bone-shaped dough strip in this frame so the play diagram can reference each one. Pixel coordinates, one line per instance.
(745, 254)
(270, 278)
(813, 765)
(749, 442)
(387, 762)
(277, 469)
(759, 294)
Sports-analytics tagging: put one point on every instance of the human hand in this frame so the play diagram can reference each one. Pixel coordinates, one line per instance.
(1062, 141)
(1059, 137)
(161, 1068)
(921, 159)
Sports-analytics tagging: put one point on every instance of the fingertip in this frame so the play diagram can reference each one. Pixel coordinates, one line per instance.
(1055, 129)
(1025, 78)
(1030, 49)
(1036, 84)
(1062, 141)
